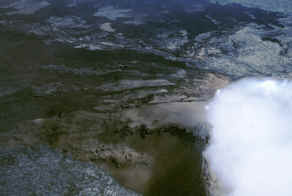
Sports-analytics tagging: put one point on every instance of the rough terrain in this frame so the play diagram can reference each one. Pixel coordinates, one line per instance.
(108, 97)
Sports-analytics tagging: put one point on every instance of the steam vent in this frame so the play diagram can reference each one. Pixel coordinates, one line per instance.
(145, 97)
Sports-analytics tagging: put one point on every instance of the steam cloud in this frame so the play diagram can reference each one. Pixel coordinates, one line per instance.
(250, 150)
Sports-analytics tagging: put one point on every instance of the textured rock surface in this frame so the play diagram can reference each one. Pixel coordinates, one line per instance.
(271, 5)
(42, 171)
(122, 85)
(113, 13)
(26, 7)
(130, 145)
(249, 51)
(155, 26)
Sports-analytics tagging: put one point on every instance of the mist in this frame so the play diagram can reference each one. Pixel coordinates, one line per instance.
(250, 149)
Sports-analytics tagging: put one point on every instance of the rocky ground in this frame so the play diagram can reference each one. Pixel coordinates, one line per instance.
(108, 97)
(270, 5)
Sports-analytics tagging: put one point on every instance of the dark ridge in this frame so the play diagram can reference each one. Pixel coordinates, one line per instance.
(274, 40)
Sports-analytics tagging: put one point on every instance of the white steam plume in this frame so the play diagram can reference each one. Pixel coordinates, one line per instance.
(250, 150)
